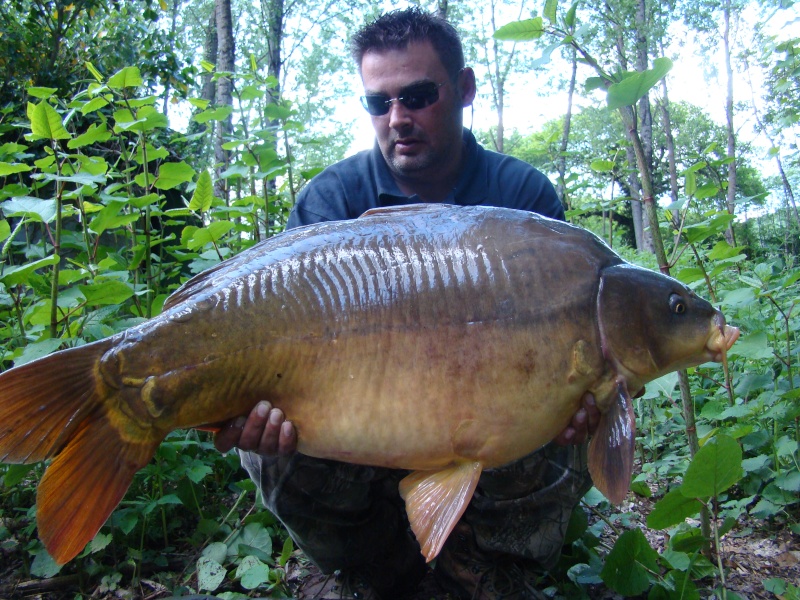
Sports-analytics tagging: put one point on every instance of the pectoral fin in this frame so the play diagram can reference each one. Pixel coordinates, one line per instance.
(435, 502)
(611, 449)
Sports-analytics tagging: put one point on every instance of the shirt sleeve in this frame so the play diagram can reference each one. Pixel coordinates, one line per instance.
(323, 199)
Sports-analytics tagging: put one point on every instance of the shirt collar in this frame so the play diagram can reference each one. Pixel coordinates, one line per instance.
(465, 192)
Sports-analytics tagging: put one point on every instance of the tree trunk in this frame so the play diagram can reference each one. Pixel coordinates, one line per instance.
(645, 116)
(226, 63)
(561, 161)
(673, 169)
(731, 196)
(209, 89)
(173, 26)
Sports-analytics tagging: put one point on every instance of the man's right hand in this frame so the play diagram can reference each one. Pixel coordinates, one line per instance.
(264, 431)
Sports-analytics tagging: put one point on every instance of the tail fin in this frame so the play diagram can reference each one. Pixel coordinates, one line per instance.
(55, 406)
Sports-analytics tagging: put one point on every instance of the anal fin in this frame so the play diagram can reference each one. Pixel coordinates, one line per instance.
(436, 500)
(84, 484)
(612, 447)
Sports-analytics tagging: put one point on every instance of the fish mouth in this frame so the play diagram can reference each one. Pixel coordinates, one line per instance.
(722, 338)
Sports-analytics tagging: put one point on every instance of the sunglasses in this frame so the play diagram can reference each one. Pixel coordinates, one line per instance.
(414, 97)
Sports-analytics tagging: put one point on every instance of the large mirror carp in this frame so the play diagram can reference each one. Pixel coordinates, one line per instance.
(444, 340)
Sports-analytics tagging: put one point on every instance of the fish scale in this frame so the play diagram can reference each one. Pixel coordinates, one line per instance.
(442, 340)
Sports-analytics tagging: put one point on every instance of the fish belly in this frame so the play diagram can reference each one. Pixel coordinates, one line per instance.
(405, 348)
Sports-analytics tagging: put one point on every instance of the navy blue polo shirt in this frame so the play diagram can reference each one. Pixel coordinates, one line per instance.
(361, 182)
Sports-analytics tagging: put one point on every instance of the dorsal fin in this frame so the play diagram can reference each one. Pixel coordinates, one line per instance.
(405, 209)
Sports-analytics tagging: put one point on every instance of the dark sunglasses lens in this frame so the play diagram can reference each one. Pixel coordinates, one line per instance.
(420, 96)
(376, 104)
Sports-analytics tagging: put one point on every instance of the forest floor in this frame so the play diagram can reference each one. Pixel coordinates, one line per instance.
(751, 553)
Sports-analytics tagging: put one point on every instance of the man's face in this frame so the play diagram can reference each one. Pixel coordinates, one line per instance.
(419, 143)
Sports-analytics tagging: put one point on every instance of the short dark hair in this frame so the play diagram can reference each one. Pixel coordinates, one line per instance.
(395, 30)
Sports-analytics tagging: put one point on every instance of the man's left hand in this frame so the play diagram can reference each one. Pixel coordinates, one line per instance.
(584, 423)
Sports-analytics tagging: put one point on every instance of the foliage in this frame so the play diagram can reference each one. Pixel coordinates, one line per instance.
(102, 219)
(105, 211)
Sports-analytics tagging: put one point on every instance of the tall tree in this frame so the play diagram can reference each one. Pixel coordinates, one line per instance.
(226, 65)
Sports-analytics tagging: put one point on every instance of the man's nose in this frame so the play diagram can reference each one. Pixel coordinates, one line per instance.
(399, 115)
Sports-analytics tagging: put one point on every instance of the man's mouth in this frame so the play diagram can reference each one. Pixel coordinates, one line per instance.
(405, 144)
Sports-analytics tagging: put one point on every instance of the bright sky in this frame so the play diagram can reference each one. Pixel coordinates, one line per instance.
(693, 79)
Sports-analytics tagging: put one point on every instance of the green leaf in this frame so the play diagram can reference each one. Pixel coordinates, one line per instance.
(700, 231)
(235, 171)
(44, 566)
(277, 112)
(93, 105)
(251, 92)
(31, 208)
(602, 165)
(286, 551)
(110, 218)
(12, 168)
(756, 463)
(38, 349)
(46, 123)
(628, 91)
(252, 572)
(203, 193)
(595, 83)
(210, 574)
(100, 541)
(19, 274)
(216, 551)
(672, 509)
(569, 19)
(199, 103)
(628, 563)
(169, 499)
(172, 174)
(215, 114)
(143, 201)
(15, 474)
(715, 468)
(253, 534)
(688, 541)
(690, 183)
(754, 346)
(723, 250)
(521, 31)
(550, 8)
(764, 509)
(198, 471)
(205, 235)
(124, 78)
(677, 585)
(111, 291)
(708, 190)
(93, 70)
(92, 135)
(43, 93)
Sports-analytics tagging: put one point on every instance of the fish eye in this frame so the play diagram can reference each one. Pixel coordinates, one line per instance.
(676, 304)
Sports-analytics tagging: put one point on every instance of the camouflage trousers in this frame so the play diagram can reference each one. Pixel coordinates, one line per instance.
(351, 517)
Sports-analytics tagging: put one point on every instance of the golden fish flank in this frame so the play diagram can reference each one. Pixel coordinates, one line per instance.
(477, 328)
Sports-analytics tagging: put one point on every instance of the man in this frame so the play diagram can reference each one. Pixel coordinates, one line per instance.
(348, 518)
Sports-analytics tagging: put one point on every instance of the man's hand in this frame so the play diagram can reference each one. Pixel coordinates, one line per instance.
(583, 424)
(264, 431)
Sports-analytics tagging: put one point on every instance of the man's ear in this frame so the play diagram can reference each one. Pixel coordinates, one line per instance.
(466, 86)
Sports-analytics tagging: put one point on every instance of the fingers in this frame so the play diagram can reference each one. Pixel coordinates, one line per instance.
(584, 423)
(592, 413)
(265, 431)
(228, 436)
